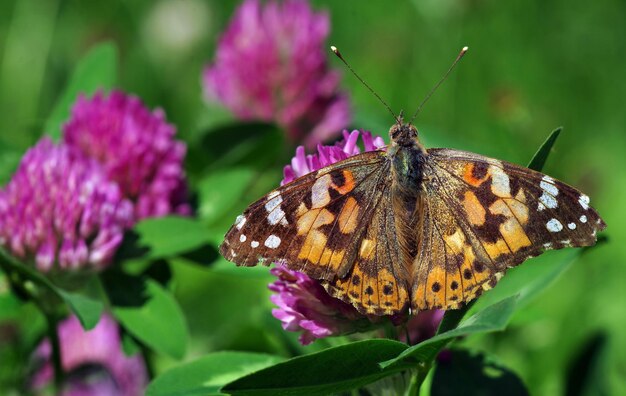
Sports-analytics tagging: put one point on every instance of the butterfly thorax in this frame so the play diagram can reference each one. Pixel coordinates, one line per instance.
(407, 156)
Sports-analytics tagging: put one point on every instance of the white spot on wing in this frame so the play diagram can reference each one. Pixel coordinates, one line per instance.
(584, 201)
(254, 244)
(550, 191)
(242, 238)
(571, 226)
(547, 245)
(547, 201)
(583, 219)
(275, 212)
(319, 192)
(553, 225)
(272, 242)
(500, 185)
(240, 221)
(547, 186)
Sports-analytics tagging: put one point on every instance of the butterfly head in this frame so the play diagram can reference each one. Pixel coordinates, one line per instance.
(403, 134)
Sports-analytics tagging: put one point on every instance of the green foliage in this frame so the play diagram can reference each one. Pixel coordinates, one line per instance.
(153, 317)
(85, 308)
(97, 70)
(493, 318)
(205, 376)
(170, 236)
(333, 370)
(541, 156)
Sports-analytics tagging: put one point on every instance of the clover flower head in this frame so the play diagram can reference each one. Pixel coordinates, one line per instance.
(136, 147)
(59, 211)
(327, 155)
(271, 65)
(304, 305)
(93, 361)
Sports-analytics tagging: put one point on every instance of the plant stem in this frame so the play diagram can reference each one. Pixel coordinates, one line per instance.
(44, 303)
(422, 373)
(53, 335)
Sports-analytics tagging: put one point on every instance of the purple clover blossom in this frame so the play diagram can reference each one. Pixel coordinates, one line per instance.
(304, 305)
(137, 149)
(271, 65)
(93, 361)
(59, 211)
(302, 164)
(422, 326)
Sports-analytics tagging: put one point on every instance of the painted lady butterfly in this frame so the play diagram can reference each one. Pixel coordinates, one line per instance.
(409, 226)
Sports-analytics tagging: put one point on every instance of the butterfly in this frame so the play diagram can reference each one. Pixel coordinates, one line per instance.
(410, 227)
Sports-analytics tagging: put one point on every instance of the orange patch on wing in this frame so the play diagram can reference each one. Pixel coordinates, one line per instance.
(302, 209)
(435, 287)
(348, 217)
(332, 258)
(475, 211)
(348, 184)
(511, 230)
(518, 207)
(468, 175)
(391, 292)
(313, 246)
(314, 219)
(496, 249)
(315, 240)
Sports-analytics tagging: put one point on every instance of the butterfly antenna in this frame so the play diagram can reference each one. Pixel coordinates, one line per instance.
(336, 52)
(458, 58)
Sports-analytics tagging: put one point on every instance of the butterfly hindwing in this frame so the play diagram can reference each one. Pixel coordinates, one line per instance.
(315, 223)
(377, 283)
(482, 216)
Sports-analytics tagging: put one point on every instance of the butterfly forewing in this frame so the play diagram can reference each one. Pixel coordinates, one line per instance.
(313, 224)
(483, 216)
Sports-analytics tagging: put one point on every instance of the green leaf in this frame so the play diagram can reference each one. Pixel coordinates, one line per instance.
(171, 235)
(330, 371)
(129, 345)
(9, 303)
(96, 70)
(208, 374)
(588, 372)
(541, 156)
(493, 318)
(463, 373)
(221, 190)
(253, 144)
(86, 309)
(158, 321)
(529, 280)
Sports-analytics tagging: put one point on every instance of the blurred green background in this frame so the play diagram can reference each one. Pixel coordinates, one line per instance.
(532, 66)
